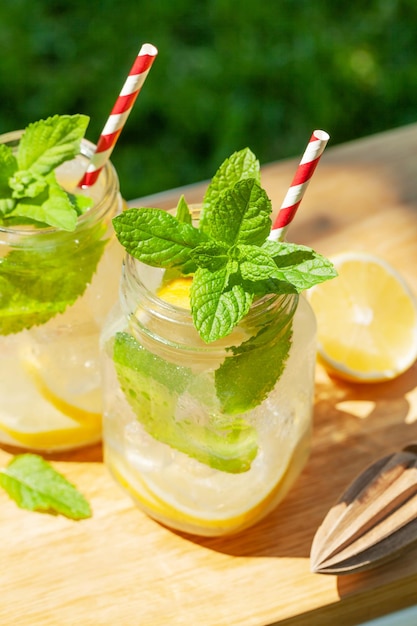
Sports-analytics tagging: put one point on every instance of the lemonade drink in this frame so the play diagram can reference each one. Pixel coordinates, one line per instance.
(209, 358)
(56, 287)
(185, 455)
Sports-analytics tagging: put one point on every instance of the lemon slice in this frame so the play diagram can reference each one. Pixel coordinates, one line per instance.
(40, 419)
(77, 412)
(177, 291)
(164, 508)
(367, 319)
(53, 439)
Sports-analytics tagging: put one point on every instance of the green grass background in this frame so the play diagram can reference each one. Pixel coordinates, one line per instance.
(229, 74)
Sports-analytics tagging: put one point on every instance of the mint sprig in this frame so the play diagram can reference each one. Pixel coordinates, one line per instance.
(43, 276)
(233, 263)
(29, 192)
(229, 253)
(38, 282)
(35, 485)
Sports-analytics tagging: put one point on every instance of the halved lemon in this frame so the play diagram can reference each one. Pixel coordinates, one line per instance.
(367, 319)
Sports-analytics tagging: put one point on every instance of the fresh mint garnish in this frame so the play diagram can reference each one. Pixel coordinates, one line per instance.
(35, 485)
(43, 275)
(229, 254)
(29, 192)
(38, 281)
(233, 263)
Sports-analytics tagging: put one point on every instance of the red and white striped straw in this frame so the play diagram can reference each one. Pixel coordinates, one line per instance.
(119, 114)
(295, 193)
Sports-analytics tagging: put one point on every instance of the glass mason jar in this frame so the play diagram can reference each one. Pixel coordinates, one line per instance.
(56, 288)
(206, 438)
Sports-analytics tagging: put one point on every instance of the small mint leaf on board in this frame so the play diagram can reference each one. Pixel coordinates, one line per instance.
(36, 486)
(216, 305)
(47, 143)
(242, 215)
(156, 238)
(299, 265)
(240, 165)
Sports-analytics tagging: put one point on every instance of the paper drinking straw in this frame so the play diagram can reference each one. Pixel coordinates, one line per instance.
(295, 193)
(119, 113)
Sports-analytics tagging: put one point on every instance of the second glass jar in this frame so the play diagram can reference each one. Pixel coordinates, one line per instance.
(56, 288)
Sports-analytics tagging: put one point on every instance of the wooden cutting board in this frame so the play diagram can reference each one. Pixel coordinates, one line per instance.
(120, 567)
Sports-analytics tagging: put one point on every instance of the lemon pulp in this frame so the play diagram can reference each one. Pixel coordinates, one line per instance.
(367, 319)
(177, 291)
(45, 420)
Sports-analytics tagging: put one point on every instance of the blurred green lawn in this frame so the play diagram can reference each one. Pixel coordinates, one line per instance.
(229, 74)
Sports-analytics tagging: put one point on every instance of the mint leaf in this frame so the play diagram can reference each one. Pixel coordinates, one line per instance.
(48, 143)
(299, 265)
(6, 205)
(128, 351)
(153, 386)
(242, 215)
(38, 282)
(80, 203)
(217, 305)
(210, 255)
(183, 213)
(8, 167)
(240, 165)
(157, 238)
(256, 264)
(35, 485)
(51, 205)
(25, 183)
(29, 193)
(245, 379)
